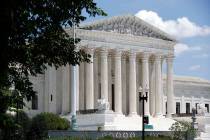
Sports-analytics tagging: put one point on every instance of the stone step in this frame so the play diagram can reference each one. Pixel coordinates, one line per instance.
(205, 135)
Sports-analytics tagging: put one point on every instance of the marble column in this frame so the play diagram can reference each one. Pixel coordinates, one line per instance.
(169, 86)
(158, 86)
(82, 86)
(74, 71)
(89, 82)
(132, 84)
(65, 89)
(104, 74)
(152, 87)
(118, 82)
(124, 85)
(145, 79)
(96, 79)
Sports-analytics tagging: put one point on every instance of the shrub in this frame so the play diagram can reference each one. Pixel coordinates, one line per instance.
(16, 126)
(43, 122)
(181, 130)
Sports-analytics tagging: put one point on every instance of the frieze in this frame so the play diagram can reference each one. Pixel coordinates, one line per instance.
(123, 39)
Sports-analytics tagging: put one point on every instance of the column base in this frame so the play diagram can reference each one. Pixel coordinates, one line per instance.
(168, 115)
(147, 114)
(159, 115)
(133, 114)
(105, 112)
(118, 113)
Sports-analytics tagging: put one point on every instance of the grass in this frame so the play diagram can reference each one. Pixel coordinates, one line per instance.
(110, 138)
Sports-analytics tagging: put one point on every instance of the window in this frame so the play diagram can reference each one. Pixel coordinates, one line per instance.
(35, 102)
(112, 96)
(207, 107)
(177, 107)
(166, 107)
(99, 90)
(187, 108)
(196, 107)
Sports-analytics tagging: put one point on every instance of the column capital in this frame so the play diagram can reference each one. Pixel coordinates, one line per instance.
(117, 53)
(90, 50)
(132, 54)
(145, 56)
(104, 52)
(170, 58)
(158, 57)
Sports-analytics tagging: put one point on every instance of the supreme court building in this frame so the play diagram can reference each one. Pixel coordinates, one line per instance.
(126, 53)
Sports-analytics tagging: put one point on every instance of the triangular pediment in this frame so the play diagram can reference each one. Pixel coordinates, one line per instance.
(128, 24)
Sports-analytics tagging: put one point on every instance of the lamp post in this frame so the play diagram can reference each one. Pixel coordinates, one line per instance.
(194, 123)
(143, 97)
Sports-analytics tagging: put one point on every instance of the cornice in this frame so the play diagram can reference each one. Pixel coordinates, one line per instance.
(123, 39)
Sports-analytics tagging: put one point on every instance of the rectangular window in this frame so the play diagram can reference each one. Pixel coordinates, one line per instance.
(207, 107)
(113, 97)
(187, 108)
(177, 107)
(51, 97)
(196, 107)
(34, 102)
(99, 85)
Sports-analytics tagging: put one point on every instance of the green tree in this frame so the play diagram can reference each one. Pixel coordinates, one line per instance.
(182, 130)
(33, 36)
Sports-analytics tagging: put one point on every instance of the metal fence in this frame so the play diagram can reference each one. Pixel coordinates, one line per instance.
(115, 134)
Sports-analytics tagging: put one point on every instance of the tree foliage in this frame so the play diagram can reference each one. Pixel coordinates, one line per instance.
(33, 36)
(182, 130)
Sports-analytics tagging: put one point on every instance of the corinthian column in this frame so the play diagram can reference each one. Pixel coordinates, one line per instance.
(158, 86)
(169, 86)
(74, 71)
(145, 79)
(132, 84)
(89, 82)
(104, 75)
(118, 83)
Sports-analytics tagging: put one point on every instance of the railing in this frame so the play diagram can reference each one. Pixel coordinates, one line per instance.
(182, 115)
(114, 134)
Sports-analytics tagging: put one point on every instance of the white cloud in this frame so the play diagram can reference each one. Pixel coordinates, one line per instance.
(194, 67)
(179, 28)
(204, 55)
(196, 48)
(181, 48)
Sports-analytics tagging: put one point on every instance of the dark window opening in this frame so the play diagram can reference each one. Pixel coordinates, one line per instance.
(166, 107)
(177, 107)
(99, 87)
(187, 108)
(207, 107)
(51, 97)
(112, 96)
(34, 102)
(196, 108)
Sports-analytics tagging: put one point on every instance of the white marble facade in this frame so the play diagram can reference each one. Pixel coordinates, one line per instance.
(126, 53)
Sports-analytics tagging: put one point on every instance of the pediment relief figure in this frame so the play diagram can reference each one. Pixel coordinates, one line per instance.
(128, 25)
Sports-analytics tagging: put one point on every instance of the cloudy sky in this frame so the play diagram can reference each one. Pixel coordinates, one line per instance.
(187, 20)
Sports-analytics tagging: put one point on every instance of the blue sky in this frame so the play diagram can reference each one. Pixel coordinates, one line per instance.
(187, 20)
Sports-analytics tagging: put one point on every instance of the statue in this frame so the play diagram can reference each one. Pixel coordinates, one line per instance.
(102, 104)
(201, 109)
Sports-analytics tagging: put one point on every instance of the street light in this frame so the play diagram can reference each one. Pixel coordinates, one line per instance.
(143, 96)
(194, 123)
